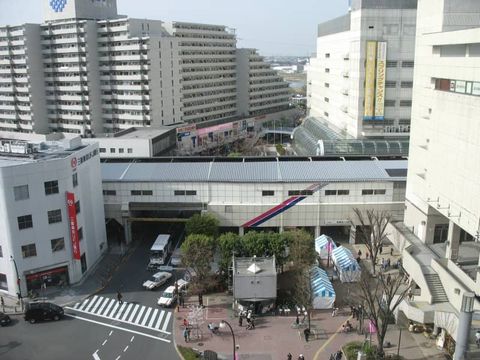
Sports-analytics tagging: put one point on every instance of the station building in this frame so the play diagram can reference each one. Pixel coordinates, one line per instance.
(51, 213)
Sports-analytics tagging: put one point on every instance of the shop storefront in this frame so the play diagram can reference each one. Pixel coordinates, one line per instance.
(52, 277)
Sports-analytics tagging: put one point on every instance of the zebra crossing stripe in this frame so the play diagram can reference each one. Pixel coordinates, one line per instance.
(114, 310)
(159, 321)
(167, 319)
(84, 303)
(91, 303)
(103, 305)
(134, 311)
(145, 318)
(99, 301)
(152, 320)
(110, 304)
(137, 320)
(120, 311)
(124, 317)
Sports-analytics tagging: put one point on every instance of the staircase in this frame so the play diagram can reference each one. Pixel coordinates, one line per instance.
(436, 288)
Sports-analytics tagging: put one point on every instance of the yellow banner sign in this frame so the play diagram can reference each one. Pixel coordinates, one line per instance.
(371, 55)
(380, 82)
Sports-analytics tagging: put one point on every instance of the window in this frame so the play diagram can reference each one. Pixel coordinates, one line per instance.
(390, 84)
(327, 85)
(103, 150)
(268, 193)
(406, 103)
(29, 250)
(75, 179)
(390, 103)
(141, 192)
(391, 64)
(3, 282)
(399, 185)
(21, 192)
(121, 150)
(406, 84)
(300, 192)
(80, 233)
(325, 114)
(367, 192)
(190, 192)
(1, 252)
(129, 150)
(57, 244)
(326, 99)
(112, 150)
(77, 207)
(330, 192)
(147, 192)
(407, 64)
(343, 192)
(327, 70)
(404, 122)
(51, 187)
(327, 55)
(440, 233)
(228, 209)
(371, 27)
(54, 216)
(109, 192)
(179, 192)
(379, 191)
(24, 222)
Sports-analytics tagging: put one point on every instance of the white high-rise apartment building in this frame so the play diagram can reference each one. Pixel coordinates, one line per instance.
(87, 69)
(440, 235)
(356, 97)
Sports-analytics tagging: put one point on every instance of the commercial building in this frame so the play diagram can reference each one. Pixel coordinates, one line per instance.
(51, 213)
(439, 237)
(88, 70)
(267, 194)
(360, 82)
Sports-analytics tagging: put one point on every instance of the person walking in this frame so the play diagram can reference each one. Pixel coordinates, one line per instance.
(338, 355)
(119, 297)
(297, 320)
(185, 334)
(289, 356)
(301, 357)
(359, 253)
(306, 333)
(477, 338)
(240, 320)
(381, 249)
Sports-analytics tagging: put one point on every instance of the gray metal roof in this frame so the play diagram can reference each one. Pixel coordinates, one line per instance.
(255, 171)
(265, 265)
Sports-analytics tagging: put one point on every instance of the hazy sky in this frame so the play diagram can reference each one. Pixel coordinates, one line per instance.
(275, 27)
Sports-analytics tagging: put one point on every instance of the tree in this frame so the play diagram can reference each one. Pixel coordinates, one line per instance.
(197, 254)
(302, 291)
(302, 248)
(205, 224)
(381, 296)
(255, 243)
(372, 232)
(228, 245)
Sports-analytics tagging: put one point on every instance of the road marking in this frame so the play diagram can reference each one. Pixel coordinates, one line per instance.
(145, 318)
(91, 303)
(103, 344)
(95, 356)
(317, 354)
(114, 310)
(118, 328)
(118, 357)
(84, 303)
(126, 348)
(120, 311)
(124, 317)
(152, 320)
(100, 301)
(110, 334)
(165, 324)
(110, 304)
(134, 311)
(159, 321)
(103, 305)
(133, 337)
(137, 320)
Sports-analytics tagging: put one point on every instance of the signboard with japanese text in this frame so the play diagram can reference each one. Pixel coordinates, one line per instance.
(371, 54)
(380, 81)
(72, 222)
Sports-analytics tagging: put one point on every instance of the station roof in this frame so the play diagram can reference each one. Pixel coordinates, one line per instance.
(256, 171)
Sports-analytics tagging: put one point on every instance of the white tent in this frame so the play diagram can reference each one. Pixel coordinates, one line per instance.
(322, 289)
(322, 243)
(347, 267)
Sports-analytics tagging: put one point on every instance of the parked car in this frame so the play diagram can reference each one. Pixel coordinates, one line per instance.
(169, 296)
(42, 311)
(158, 279)
(4, 319)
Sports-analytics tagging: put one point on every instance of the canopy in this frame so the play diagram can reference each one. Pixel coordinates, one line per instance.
(323, 293)
(322, 244)
(347, 267)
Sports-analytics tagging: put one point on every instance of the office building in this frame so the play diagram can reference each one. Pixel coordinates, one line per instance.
(360, 81)
(88, 70)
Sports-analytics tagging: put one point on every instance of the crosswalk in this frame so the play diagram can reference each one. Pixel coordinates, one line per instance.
(129, 313)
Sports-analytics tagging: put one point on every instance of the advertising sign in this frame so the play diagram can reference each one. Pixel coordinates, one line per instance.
(216, 128)
(72, 221)
(380, 81)
(371, 55)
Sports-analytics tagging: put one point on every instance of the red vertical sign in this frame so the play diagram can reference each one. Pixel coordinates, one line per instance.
(72, 222)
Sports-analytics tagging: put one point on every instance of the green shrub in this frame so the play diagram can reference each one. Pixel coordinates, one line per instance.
(187, 353)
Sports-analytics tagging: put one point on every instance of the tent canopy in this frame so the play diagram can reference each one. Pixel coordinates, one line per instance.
(322, 244)
(347, 266)
(322, 290)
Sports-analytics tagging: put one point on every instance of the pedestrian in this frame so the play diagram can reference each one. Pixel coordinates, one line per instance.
(477, 338)
(381, 249)
(188, 333)
(297, 320)
(181, 299)
(289, 356)
(388, 264)
(301, 357)
(240, 320)
(306, 333)
(2, 301)
(389, 279)
(334, 311)
(359, 253)
(119, 297)
(383, 264)
(391, 251)
(338, 355)
(185, 334)
(410, 295)
(185, 323)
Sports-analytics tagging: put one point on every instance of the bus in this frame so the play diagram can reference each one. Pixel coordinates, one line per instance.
(160, 250)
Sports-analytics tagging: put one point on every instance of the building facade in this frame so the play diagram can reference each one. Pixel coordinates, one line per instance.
(440, 234)
(87, 69)
(360, 82)
(52, 213)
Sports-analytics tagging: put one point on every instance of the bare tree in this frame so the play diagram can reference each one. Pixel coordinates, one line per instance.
(302, 292)
(372, 232)
(381, 296)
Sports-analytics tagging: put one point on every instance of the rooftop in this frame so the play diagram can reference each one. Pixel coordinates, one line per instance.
(254, 266)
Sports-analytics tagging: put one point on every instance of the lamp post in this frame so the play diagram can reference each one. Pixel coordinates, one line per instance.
(18, 280)
(224, 323)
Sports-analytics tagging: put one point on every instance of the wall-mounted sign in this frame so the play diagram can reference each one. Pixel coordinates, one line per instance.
(380, 81)
(371, 54)
(72, 220)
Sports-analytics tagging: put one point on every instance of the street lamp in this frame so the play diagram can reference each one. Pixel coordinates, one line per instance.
(223, 323)
(18, 280)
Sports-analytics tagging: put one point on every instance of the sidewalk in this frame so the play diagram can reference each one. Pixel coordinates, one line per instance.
(92, 284)
(274, 337)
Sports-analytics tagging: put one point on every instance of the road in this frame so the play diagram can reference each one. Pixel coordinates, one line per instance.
(100, 328)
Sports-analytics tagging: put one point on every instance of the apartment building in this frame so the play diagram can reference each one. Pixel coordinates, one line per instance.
(439, 237)
(88, 70)
(52, 215)
(360, 81)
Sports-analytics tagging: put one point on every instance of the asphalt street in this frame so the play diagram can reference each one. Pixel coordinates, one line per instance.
(100, 328)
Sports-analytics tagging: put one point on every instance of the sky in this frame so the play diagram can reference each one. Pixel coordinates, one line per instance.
(274, 27)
